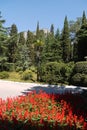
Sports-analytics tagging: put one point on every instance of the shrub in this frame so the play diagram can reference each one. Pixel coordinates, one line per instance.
(51, 72)
(4, 75)
(19, 69)
(33, 69)
(79, 79)
(85, 80)
(66, 71)
(81, 67)
(8, 66)
(55, 72)
(79, 75)
(27, 75)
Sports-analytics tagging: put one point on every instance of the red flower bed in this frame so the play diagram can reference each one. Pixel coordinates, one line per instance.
(43, 111)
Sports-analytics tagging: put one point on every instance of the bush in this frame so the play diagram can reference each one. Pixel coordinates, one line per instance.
(81, 67)
(27, 75)
(66, 71)
(18, 69)
(79, 79)
(79, 75)
(51, 72)
(4, 75)
(55, 72)
(85, 80)
(33, 69)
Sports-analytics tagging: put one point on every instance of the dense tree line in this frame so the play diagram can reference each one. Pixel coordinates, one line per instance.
(19, 52)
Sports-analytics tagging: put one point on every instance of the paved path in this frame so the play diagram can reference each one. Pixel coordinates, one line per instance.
(13, 89)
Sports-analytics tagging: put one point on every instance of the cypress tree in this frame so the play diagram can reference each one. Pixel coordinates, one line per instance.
(37, 31)
(22, 55)
(52, 29)
(12, 46)
(82, 39)
(21, 39)
(66, 41)
(30, 46)
(84, 21)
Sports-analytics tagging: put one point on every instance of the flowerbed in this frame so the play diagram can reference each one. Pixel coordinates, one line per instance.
(43, 111)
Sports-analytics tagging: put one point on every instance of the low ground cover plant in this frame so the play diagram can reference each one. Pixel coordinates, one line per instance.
(42, 111)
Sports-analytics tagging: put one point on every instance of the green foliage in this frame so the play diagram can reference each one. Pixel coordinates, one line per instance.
(66, 71)
(82, 39)
(3, 44)
(4, 75)
(66, 41)
(33, 69)
(52, 29)
(9, 66)
(79, 79)
(52, 50)
(18, 69)
(81, 67)
(12, 45)
(79, 75)
(27, 75)
(43, 51)
(55, 72)
(51, 73)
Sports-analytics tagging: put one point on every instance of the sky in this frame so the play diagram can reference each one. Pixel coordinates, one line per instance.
(26, 13)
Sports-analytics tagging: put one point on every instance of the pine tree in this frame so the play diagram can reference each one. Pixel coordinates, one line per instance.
(66, 41)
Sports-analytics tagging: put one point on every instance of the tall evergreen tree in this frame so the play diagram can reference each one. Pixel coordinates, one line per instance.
(21, 38)
(12, 47)
(52, 29)
(22, 53)
(82, 39)
(66, 41)
(84, 21)
(74, 27)
(3, 43)
(30, 45)
(52, 48)
(37, 31)
(38, 47)
(59, 46)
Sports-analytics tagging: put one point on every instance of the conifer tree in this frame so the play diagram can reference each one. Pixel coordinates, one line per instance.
(12, 46)
(22, 53)
(52, 29)
(3, 44)
(82, 39)
(37, 31)
(30, 46)
(21, 39)
(84, 21)
(66, 41)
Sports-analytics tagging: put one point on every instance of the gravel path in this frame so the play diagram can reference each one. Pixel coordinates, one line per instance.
(13, 89)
